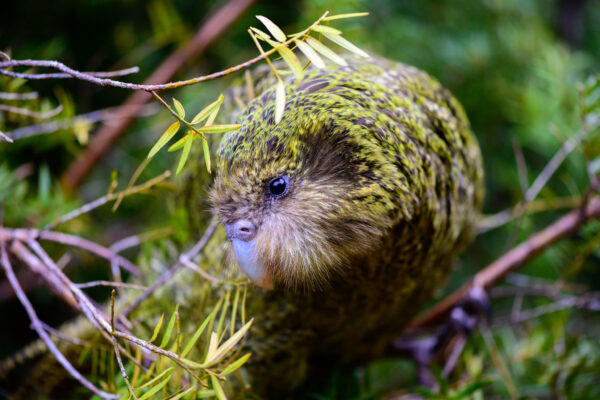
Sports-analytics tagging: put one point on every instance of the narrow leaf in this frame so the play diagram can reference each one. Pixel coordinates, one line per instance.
(164, 139)
(290, 58)
(260, 34)
(206, 111)
(340, 41)
(205, 394)
(217, 388)
(169, 330)
(206, 154)
(156, 379)
(157, 388)
(179, 108)
(157, 328)
(272, 28)
(236, 364)
(344, 16)
(180, 395)
(184, 154)
(179, 144)
(326, 29)
(190, 344)
(325, 51)
(279, 101)
(219, 128)
(228, 345)
(310, 54)
(212, 346)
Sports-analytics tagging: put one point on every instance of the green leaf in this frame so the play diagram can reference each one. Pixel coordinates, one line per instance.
(272, 28)
(217, 388)
(310, 54)
(219, 128)
(326, 29)
(206, 152)
(157, 388)
(167, 335)
(260, 34)
(179, 144)
(157, 328)
(325, 51)
(279, 101)
(197, 334)
(236, 364)
(164, 139)
(290, 58)
(180, 395)
(206, 111)
(156, 379)
(185, 153)
(205, 394)
(340, 41)
(179, 108)
(228, 345)
(344, 16)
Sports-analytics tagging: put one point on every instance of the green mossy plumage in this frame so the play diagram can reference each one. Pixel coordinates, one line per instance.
(386, 184)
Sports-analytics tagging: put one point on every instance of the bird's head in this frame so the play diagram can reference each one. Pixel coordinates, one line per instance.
(304, 199)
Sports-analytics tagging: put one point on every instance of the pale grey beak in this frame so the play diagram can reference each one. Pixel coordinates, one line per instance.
(242, 233)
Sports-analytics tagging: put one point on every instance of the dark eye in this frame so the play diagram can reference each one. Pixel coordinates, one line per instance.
(279, 186)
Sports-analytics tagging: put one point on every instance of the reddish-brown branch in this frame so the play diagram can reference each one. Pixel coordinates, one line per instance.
(109, 133)
(510, 261)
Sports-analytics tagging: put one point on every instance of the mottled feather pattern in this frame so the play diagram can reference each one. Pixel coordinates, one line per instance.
(386, 187)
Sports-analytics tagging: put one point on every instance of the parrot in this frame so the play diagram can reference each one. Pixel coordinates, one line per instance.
(345, 216)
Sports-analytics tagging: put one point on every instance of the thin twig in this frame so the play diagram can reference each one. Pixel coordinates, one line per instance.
(29, 113)
(36, 323)
(18, 96)
(105, 199)
(105, 74)
(171, 271)
(511, 260)
(109, 284)
(26, 235)
(5, 137)
(106, 114)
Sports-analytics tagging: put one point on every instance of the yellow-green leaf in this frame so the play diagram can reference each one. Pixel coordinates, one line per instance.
(194, 339)
(206, 154)
(236, 364)
(290, 58)
(205, 394)
(157, 328)
(155, 389)
(272, 28)
(260, 34)
(344, 16)
(310, 54)
(184, 154)
(206, 111)
(180, 395)
(340, 41)
(279, 101)
(212, 346)
(167, 335)
(219, 128)
(164, 139)
(325, 51)
(179, 144)
(326, 29)
(179, 108)
(228, 345)
(156, 379)
(217, 388)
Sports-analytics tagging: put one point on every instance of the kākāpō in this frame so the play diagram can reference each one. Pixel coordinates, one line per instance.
(347, 215)
(349, 212)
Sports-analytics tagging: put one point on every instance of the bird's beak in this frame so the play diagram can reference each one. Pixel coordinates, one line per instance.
(246, 257)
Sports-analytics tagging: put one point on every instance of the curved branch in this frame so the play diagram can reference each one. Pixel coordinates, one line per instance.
(511, 260)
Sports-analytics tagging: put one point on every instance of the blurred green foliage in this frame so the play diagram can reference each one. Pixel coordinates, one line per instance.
(519, 68)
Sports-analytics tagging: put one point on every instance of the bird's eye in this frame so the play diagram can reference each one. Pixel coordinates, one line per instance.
(279, 186)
